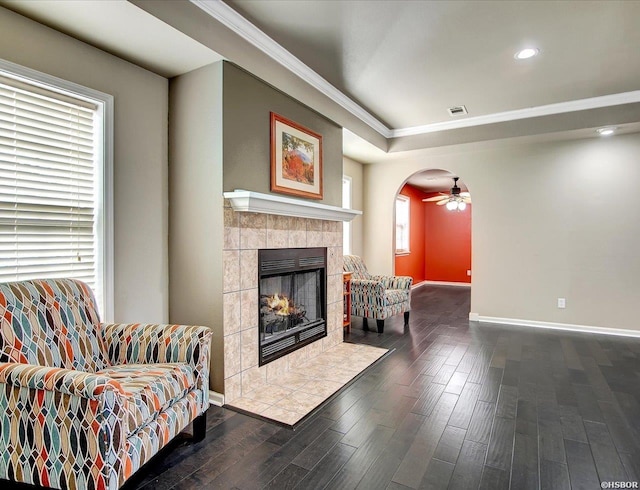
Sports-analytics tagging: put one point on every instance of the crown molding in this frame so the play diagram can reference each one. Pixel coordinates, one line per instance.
(529, 112)
(252, 34)
(249, 32)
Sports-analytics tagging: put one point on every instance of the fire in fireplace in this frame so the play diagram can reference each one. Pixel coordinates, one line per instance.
(292, 289)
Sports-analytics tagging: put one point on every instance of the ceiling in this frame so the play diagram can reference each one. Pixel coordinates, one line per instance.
(406, 62)
(435, 180)
(120, 28)
(387, 70)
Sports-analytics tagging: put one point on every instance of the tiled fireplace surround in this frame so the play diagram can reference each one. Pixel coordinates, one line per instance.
(244, 234)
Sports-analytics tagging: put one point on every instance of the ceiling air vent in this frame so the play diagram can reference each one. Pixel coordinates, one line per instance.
(458, 110)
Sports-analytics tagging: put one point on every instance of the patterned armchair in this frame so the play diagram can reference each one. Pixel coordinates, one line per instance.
(83, 404)
(377, 297)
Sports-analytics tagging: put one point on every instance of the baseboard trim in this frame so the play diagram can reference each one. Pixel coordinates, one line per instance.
(442, 283)
(621, 332)
(216, 398)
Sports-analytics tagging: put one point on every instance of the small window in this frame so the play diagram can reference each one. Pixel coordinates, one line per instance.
(346, 226)
(402, 225)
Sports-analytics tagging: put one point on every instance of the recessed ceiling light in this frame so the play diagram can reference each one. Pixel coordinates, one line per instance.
(526, 53)
(608, 131)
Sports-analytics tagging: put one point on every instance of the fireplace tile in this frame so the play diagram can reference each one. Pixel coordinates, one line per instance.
(269, 394)
(248, 269)
(231, 268)
(278, 231)
(232, 355)
(300, 402)
(249, 308)
(315, 349)
(231, 230)
(282, 414)
(249, 347)
(244, 234)
(298, 233)
(316, 371)
(334, 260)
(253, 378)
(232, 388)
(298, 357)
(253, 230)
(251, 405)
(276, 370)
(333, 338)
(334, 288)
(292, 380)
(333, 233)
(292, 396)
(343, 376)
(231, 312)
(315, 238)
(321, 387)
(334, 316)
(277, 239)
(314, 225)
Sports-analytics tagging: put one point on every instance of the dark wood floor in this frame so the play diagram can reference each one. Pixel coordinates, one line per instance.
(455, 406)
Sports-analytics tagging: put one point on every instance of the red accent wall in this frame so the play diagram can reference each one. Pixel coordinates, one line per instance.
(447, 243)
(440, 241)
(413, 264)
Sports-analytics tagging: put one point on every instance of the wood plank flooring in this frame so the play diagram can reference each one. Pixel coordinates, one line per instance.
(455, 405)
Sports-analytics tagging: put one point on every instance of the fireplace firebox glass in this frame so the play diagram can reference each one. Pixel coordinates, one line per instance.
(292, 290)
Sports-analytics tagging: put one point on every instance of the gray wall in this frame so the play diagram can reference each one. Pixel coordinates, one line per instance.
(550, 220)
(196, 213)
(246, 137)
(219, 121)
(140, 155)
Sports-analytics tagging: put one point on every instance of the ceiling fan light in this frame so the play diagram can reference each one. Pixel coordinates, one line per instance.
(462, 206)
(452, 205)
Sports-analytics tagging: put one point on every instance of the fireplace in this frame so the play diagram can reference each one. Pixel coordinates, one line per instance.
(292, 307)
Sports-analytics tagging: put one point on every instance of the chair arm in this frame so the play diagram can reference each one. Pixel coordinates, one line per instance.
(395, 282)
(53, 415)
(367, 287)
(75, 383)
(139, 343)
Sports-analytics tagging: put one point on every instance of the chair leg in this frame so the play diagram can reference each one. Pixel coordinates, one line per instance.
(380, 324)
(365, 324)
(406, 318)
(199, 427)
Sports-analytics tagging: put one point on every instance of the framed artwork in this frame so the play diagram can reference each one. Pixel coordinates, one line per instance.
(296, 159)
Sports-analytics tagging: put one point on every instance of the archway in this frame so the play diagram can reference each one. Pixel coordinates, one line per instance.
(434, 244)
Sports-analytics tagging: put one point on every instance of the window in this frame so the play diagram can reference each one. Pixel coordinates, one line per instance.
(55, 218)
(346, 225)
(402, 225)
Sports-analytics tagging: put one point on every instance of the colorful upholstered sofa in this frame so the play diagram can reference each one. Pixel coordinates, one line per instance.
(83, 405)
(377, 297)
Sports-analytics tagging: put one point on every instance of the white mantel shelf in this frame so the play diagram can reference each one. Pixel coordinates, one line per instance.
(255, 202)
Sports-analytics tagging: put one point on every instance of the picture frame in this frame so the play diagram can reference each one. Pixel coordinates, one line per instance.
(296, 159)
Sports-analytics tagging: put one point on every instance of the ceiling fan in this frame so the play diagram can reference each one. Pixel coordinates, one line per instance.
(455, 200)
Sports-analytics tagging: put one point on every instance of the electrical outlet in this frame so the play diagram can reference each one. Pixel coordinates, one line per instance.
(562, 303)
(468, 272)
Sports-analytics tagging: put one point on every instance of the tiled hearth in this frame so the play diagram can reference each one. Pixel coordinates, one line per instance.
(289, 398)
(244, 234)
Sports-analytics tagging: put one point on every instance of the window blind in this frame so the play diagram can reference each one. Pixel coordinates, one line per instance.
(47, 185)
